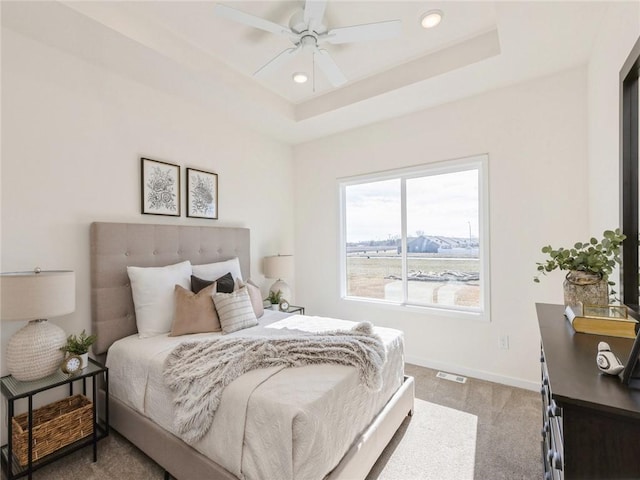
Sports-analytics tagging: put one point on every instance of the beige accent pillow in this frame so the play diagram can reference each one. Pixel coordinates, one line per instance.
(255, 295)
(235, 310)
(194, 312)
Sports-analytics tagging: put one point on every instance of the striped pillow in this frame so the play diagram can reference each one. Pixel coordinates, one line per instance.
(235, 310)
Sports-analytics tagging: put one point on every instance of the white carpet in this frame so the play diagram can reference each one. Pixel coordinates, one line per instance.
(436, 443)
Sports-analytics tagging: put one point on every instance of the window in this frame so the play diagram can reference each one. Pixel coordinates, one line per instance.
(418, 236)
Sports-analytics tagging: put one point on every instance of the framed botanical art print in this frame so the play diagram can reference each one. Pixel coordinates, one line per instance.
(160, 188)
(202, 194)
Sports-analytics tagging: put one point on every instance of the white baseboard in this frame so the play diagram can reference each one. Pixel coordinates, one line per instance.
(479, 374)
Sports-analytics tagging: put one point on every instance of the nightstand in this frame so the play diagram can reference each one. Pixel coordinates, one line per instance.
(295, 309)
(13, 390)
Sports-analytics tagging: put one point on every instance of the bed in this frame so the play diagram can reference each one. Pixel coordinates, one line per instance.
(316, 411)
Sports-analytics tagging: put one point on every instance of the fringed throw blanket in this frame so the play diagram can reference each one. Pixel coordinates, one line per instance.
(197, 372)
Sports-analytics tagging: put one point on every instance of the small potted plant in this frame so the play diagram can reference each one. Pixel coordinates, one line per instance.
(79, 345)
(589, 266)
(274, 299)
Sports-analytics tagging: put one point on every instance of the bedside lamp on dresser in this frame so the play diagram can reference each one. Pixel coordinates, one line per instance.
(34, 351)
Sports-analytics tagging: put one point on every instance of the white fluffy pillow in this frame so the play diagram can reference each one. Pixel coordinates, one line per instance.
(213, 271)
(153, 295)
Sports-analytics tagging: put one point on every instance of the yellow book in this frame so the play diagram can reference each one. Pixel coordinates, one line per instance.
(611, 320)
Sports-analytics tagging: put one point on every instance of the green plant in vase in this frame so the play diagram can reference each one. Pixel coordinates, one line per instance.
(274, 298)
(589, 266)
(79, 345)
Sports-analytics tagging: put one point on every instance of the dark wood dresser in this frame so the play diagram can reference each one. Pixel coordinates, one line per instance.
(591, 421)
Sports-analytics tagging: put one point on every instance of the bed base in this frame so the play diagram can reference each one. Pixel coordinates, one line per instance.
(183, 462)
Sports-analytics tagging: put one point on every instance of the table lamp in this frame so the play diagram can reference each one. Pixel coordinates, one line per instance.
(34, 350)
(279, 267)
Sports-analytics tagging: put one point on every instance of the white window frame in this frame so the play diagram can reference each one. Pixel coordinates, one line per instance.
(477, 162)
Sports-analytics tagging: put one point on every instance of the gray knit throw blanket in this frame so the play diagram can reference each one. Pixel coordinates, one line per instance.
(197, 372)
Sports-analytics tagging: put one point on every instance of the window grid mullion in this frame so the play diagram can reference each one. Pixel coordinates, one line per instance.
(403, 228)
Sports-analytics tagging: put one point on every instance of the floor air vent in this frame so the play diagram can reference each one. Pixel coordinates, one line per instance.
(451, 377)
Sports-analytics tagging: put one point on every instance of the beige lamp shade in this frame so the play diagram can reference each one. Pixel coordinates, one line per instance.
(279, 266)
(34, 351)
(34, 296)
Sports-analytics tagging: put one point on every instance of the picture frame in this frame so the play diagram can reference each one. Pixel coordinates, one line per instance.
(160, 188)
(202, 194)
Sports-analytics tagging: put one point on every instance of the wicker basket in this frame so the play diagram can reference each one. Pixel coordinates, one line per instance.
(54, 426)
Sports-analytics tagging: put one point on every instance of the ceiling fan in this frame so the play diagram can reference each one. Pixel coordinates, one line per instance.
(307, 32)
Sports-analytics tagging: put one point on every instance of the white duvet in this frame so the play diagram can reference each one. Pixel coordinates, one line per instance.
(271, 423)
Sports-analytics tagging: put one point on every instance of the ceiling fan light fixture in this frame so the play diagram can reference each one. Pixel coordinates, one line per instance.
(431, 19)
(300, 77)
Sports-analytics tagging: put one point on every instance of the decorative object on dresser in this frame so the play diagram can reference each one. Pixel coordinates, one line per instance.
(607, 361)
(279, 267)
(79, 345)
(202, 194)
(34, 351)
(160, 189)
(591, 421)
(589, 265)
(602, 320)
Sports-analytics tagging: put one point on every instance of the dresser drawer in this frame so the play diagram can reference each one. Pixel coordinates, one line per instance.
(552, 435)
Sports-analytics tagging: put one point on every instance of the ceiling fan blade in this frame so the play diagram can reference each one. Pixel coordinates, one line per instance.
(330, 68)
(314, 13)
(361, 33)
(251, 20)
(276, 62)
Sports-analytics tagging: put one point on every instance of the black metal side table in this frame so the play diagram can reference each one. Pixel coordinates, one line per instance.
(13, 390)
(295, 309)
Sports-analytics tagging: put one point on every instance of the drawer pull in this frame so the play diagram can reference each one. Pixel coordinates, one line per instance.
(553, 410)
(554, 459)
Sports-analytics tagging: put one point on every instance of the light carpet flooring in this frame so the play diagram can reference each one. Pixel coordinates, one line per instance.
(473, 431)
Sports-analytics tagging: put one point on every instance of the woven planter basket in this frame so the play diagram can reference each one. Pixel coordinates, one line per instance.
(54, 426)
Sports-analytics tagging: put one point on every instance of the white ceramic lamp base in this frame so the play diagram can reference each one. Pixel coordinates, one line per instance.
(284, 288)
(34, 351)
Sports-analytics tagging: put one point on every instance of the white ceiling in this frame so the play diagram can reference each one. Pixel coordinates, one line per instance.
(184, 48)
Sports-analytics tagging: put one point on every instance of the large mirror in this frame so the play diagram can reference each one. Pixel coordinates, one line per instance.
(629, 171)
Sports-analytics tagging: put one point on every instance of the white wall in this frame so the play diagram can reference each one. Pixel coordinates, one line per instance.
(535, 135)
(72, 138)
(619, 33)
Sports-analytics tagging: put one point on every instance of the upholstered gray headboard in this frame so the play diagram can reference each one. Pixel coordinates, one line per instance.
(114, 246)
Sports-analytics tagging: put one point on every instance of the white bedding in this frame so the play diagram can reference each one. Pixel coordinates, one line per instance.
(312, 413)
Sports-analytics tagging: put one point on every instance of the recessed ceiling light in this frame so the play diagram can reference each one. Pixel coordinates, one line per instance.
(300, 77)
(431, 19)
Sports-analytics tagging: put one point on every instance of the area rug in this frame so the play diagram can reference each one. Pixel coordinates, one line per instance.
(436, 443)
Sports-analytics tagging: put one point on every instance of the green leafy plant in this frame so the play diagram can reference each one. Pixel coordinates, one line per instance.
(597, 257)
(78, 345)
(275, 297)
